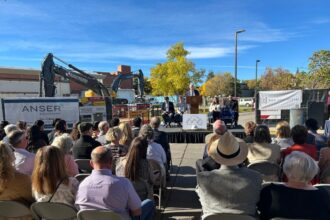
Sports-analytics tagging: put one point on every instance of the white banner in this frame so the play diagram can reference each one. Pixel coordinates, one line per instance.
(270, 114)
(194, 121)
(46, 109)
(279, 100)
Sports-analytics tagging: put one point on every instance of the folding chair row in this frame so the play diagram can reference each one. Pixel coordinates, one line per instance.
(52, 211)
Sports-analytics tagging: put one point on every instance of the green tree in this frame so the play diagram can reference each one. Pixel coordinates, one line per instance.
(172, 77)
(319, 69)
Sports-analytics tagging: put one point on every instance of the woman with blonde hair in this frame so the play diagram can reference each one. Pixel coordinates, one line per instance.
(127, 135)
(50, 181)
(283, 135)
(14, 186)
(65, 143)
(249, 131)
(113, 137)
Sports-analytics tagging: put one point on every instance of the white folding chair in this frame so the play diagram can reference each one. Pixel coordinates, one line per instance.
(13, 209)
(53, 211)
(99, 215)
(160, 182)
(84, 165)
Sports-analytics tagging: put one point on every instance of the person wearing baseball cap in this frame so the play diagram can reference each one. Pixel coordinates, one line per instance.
(229, 189)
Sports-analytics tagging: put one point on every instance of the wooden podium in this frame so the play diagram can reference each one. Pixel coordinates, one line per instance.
(194, 102)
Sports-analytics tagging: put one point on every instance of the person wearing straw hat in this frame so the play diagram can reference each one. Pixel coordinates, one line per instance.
(229, 189)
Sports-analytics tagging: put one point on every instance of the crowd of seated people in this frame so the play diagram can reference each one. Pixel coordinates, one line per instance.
(36, 167)
(124, 177)
(227, 184)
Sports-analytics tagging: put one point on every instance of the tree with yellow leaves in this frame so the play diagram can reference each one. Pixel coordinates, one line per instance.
(172, 77)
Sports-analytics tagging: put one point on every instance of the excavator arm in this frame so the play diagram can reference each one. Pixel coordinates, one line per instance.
(50, 69)
(117, 81)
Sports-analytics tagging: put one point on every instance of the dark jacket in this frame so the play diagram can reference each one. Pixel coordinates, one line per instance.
(233, 104)
(195, 91)
(160, 137)
(83, 147)
(170, 107)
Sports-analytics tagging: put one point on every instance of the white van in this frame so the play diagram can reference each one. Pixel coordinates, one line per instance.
(248, 101)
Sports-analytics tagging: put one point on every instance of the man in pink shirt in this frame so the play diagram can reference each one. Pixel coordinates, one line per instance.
(104, 191)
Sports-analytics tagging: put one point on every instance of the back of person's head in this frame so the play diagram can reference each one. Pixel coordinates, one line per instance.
(103, 126)
(85, 128)
(219, 127)
(137, 122)
(54, 121)
(102, 157)
(114, 122)
(15, 137)
(137, 152)
(155, 122)
(6, 165)
(39, 123)
(34, 133)
(311, 124)
(9, 128)
(299, 134)
(283, 129)
(60, 126)
(127, 135)
(96, 126)
(300, 167)
(113, 134)
(21, 125)
(249, 128)
(146, 132)
(262, 134)
(75, 132)
(49, 169)
(64, 142)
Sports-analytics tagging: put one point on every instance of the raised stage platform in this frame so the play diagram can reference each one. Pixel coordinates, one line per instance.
(178, 135)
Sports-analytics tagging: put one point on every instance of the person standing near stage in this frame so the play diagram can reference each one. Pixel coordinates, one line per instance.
(168, 111)
(233, 105)
(192, 91)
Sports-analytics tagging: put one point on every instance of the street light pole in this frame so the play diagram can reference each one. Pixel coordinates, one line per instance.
(255, 92)
(236, 33)
(255, 88)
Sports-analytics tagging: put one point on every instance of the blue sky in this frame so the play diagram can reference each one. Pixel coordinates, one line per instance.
(99, 35)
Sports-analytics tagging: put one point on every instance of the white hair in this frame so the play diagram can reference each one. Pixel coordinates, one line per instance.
(101, 126)
(299, 166)
(9, 128)
(64, 142)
